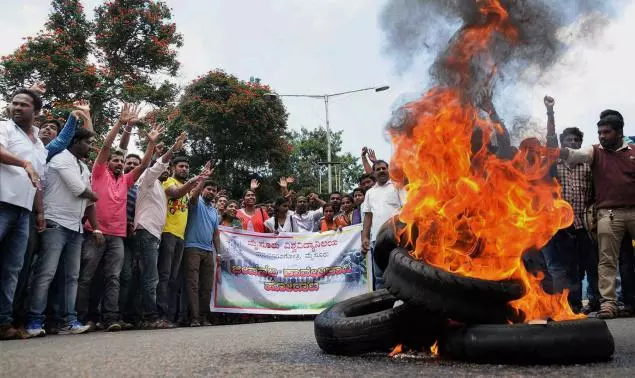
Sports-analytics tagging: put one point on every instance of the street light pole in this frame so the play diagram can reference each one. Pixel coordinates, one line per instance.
(328, 126)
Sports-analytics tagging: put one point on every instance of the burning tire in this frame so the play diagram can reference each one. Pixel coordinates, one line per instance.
(372, 322)
(386, 241)
(429, 277)
(566, 342)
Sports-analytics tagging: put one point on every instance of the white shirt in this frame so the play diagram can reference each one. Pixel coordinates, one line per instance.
(15, 185)
(66, 179)
(288, 226)
(152, 204)
(383, 202)
(306, 222)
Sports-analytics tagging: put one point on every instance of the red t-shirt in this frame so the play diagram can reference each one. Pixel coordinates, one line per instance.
(256, 222)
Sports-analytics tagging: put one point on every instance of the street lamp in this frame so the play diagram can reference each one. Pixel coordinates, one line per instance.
(326, 98)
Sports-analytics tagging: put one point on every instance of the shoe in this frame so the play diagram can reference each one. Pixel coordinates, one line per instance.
(113, 327)
(206, 323)
(74, 328)
(625, 311)
(8, 332)
(608, 310)
(34, 328)
(52, 328)
(195, 323)
(125, 326)
(165, 324)
(99, 326)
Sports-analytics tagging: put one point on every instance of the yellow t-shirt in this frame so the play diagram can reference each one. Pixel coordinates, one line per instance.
(176, 219)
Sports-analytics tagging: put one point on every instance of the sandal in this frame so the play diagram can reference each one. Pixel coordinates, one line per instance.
(607, 311)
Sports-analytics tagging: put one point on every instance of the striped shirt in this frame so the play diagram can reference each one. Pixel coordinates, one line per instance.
(130, 203)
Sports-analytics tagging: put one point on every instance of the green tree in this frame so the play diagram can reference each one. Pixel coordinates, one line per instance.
(309, 149)
(130, 43)
(232, 122)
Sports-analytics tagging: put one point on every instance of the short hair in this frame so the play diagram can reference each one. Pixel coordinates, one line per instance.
(367, 176)
(328, 204)
(611, 118)
(133, 156)
(116, 152)
(180, 159)
(335, 192)
(247, 191)
(37, 100)
(380, 162)
(358, 190)
(81, 134)
(350, 198)
(58, 124)
(210, 183)
(571, 131)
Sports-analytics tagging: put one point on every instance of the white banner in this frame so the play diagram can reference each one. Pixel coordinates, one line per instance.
(288, 273)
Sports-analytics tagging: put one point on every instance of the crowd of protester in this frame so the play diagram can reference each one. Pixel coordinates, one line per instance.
(129, 242)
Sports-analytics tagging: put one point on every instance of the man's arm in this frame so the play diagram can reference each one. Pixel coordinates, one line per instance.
(38, 208)
(71, 179)
(127, 113)
(91, 214)
(196, 192)
(152, 138)
(65, 136)
(552, 138)
(573, 157)
(367, 166)
(368, 222)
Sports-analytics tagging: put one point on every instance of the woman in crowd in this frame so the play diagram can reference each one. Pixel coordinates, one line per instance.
(229, 218)
(252, 218)
(281, 220)
(345, 218)
(327, 223)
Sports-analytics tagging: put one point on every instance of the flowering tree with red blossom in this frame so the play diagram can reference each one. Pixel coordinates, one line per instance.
(114, 58)
(234, 123)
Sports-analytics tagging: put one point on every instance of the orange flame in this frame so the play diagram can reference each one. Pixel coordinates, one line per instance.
(398, 349)
(434, 349)
(468, 212)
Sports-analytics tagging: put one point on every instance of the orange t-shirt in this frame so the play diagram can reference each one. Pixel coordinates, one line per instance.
(326, 226)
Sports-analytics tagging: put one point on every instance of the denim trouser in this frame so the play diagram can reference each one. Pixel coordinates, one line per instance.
(58, 244)
(21, 296)
(110, 255)
(378, 274)
(169, 265)
(568, 256)
(129, 280)
(14, 235)
(148, 249)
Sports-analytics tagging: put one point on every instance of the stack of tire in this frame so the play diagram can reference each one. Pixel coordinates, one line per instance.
(470, 319)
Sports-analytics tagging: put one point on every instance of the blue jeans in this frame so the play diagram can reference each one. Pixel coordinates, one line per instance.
(110, 255)
(128, 280)
(148, 248)
(170, 277)
(569, 255)
(14, 235)
(378, 274)
(59, 244)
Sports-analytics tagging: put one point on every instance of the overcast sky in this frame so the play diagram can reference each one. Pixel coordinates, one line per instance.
(326, 46)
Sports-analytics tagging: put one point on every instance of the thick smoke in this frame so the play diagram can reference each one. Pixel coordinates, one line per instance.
(432, 27)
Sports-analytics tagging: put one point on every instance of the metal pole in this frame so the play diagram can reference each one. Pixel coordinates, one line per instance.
(328, 143)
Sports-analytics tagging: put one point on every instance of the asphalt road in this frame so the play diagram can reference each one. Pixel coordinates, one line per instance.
(263, 349)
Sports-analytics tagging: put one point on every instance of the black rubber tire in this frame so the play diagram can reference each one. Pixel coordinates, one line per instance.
(566, 342)
(370, 322)
(420, 273)
(386, 241)
(459, 308)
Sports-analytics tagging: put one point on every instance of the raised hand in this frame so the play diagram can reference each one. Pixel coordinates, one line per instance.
(255, 184)
(154, 134)
(129, 113)
(81, 109)
(39, 88)
(290, 180)
(283, 182)
(364, 150)
(371, 155)
(178, 145)
(549, 102)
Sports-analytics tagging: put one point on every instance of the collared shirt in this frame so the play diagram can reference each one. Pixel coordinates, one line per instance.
(202, 224)
(306, 222)
(383, 202)
(67, 178)
(577, 188)
(151, 203)
(113, 195)
(15, 186)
